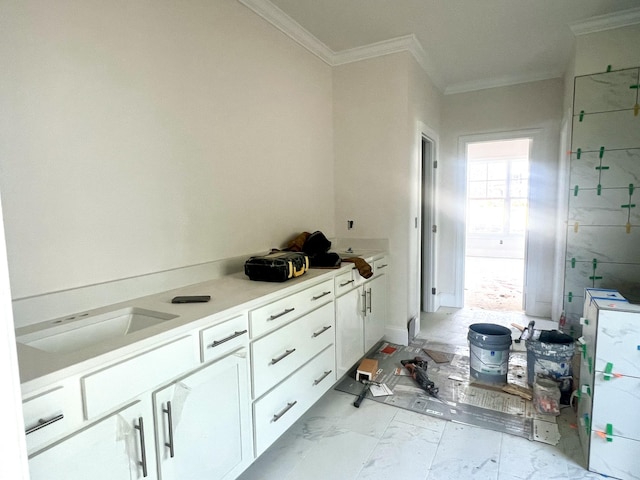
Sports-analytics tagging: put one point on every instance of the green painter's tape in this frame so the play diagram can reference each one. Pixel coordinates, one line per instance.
(581, 117)
(579, 153)
(601, 152)
(599, 189)
(573, 263)
(602, 168)
(575, 190)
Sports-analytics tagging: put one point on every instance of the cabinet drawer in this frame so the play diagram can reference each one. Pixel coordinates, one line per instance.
(345, 282)
(276, 314)
(278, 410)
(282, 352)
(224, 337)
(50, 415)
(380, 266)
(114, 385)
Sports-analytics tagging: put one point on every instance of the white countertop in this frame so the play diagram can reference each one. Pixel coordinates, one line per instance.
(230, 295)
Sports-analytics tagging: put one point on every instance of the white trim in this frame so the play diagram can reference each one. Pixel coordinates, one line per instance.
(290, 27)
(506, 81)
(407, 43)
(12, 443)
(424, 131)
(461, 192)
(396, 335)
(608, 21)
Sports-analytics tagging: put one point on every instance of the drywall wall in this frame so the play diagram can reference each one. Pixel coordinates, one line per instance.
(137, 138)
(531, 106)
(377, 103)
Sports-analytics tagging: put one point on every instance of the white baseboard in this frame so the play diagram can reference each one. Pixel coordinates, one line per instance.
(399, 336)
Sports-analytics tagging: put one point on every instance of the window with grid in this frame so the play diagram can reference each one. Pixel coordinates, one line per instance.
(497, 193)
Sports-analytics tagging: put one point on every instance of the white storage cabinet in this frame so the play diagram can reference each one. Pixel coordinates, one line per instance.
(361, 311)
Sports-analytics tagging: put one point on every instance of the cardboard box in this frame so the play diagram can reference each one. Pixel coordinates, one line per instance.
(367, 369)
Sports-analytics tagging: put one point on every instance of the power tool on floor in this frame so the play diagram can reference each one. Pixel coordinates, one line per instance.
(418, 369)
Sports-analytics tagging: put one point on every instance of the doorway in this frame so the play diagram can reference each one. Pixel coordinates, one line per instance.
(495, 236)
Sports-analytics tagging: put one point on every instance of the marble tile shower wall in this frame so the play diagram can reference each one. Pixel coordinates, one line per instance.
(603, 227)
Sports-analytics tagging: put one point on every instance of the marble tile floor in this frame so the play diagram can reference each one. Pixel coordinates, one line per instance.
(335, 440)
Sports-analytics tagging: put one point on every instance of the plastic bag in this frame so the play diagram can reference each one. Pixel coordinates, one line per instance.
(546, 395)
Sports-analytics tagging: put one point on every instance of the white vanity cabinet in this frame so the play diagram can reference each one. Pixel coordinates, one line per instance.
(293, 358)
(119, 446)
(609, 405)
(196, 426)
(361, 312)
(204, 423)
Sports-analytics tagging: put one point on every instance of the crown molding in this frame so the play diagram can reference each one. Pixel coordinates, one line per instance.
(506, 81)
(407, 43)
(290, 27)
(609, 21)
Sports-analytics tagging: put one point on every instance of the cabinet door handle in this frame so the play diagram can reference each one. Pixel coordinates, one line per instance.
(285, 354)
(323, 294)
(43, 423)
(325, 375)
(143, 451)
(170, 420)
(365, 303)
(284, 312)
(279, 415)
(324, 329)
(344, 284)
(226, 339)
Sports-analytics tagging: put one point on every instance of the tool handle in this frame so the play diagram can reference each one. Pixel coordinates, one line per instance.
(361, 397)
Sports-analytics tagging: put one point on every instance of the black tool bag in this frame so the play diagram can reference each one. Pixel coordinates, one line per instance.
(276, 266)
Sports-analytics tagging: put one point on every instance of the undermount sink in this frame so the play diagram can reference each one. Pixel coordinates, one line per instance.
(77, 333)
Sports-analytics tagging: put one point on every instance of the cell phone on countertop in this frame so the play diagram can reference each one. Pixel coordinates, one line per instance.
(191, 299)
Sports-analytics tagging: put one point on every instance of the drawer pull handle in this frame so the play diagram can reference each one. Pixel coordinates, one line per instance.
(226, 339)
(286, 310)
(344, 284)
(143, 451)
(323, 294)
(285, 354)
(43, 423)
(384, 265)
(278, 416)
(324, 329)
(170, 420)
(325, 375)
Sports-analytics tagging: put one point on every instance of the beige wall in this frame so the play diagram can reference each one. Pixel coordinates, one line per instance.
(136, 139)
(531, 106)
(377, 104)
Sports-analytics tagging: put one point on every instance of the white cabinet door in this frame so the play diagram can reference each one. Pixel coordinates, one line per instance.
(349, 330)
(376, 307)
(204, 424)
(119, 447)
